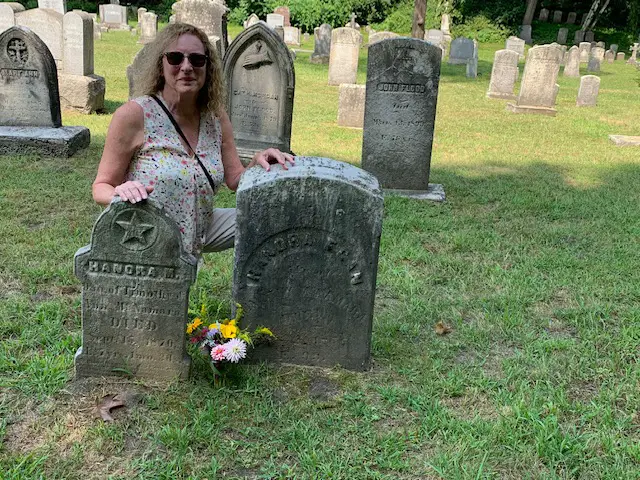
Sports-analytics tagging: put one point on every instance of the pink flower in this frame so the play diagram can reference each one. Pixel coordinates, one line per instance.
(235, 349)
(218, 353)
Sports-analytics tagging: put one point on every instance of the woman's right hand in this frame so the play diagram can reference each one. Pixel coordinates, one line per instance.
(133, 191)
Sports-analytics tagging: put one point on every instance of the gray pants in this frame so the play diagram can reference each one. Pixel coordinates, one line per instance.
(222, 232)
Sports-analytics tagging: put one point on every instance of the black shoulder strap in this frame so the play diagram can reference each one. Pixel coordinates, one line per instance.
(179, 130)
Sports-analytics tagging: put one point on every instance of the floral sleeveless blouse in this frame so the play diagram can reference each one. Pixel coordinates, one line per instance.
(178, 181)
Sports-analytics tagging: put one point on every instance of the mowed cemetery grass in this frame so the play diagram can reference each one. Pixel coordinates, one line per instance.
(532, 261)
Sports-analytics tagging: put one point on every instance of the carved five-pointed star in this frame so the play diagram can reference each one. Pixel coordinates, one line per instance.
(134, 229)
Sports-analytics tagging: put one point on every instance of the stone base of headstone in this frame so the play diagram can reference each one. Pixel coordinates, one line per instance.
(625, 140)
(435, 193)
(319, 59)
(512, 107)
(50, 142)
(82, 93)
(502, 96)
(351, 105)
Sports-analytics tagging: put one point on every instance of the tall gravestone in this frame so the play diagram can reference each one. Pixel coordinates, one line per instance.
(286, 15)
(322, 44)
(135, 278)
(503, 75)
(260, 79)
(210, 17)
(562, 35)
(59, 6)
(47, 24)
(306, 259)
(538, 89)
(572, 63)
(557, 16)
(515, 44)
(544, 15)
(525, 33)
(578, 37)
(343, 58)
(593, 65)
(461, 51)
(30, 119)
(472, 63)
(78, 44)
(588, 91)
(8, 12)
(585, 51)
(403, 75)
(614, 48)
(571, 18)
(148, 27)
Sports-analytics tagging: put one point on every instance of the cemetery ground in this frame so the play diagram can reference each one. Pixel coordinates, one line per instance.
(532, 263)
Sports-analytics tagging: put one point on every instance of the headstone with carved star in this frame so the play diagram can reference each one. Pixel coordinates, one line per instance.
(135, 292)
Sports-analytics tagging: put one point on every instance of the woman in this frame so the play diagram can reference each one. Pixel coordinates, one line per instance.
(144, 154)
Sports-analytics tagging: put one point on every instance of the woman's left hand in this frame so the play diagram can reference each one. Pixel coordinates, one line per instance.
(271, 156)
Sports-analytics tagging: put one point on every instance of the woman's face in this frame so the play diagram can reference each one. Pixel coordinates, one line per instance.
(184, 78)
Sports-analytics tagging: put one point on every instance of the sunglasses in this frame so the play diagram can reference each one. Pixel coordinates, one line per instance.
(195, 59)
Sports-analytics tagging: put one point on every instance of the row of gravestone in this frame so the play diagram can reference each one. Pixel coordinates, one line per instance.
(558, 16)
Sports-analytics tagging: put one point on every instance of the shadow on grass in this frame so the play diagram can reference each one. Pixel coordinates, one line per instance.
(111, 106)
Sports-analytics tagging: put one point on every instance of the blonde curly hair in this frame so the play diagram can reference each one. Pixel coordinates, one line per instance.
(151, 80)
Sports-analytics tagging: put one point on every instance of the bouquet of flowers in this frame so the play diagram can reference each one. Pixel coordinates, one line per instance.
(224, 341)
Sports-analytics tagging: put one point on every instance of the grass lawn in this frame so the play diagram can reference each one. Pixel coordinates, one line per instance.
(533, 261)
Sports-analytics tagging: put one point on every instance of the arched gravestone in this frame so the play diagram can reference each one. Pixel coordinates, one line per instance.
(306, 258)
(28, 81)
(260, 79)
(135, 279)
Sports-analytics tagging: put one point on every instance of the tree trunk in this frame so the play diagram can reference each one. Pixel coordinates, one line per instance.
(531, 10)
(419, 12)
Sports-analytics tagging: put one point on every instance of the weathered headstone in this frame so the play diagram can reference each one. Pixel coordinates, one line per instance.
(588, 92)
(461, 51)
(445, 24)
(351, 105)
(343, 59)
(306, 259)
(538, 88)
(589, 36)
(503, 75)
(114, 17)
(141, 11)
(544, 15)
(210, 17)
(625, 140)
(593, 65)
(403, 75)
(8, 14)
(78, 44)
(557, 16)
(275, 20)
(614, 48)
(135, 278)
(286, 15)
(578, 37)
(562, 35)
(306, 37)
(47, 24)
(571, 18)
(148, 27)
(585, 51)
(598, 52)
(252, 20)
(260, 79)
(472, 63)
(379, 36)
(572, 63)
(59, 6)
(620, 56)
(634, 55)
(525, 33)
(30, 119)
(292, 35)
(322, 44)
(601, 45)
(279, 32)
(515, 44)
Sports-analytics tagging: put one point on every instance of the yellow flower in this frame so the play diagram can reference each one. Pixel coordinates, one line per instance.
(229, 330)
(264, 331)
(203, 310)
(193, 325)
(214, 326)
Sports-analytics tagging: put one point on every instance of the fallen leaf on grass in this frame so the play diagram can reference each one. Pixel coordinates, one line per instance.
(108, 402)
(442, 328)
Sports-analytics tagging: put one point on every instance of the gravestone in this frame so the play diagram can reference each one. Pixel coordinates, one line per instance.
(148, 28)
(432, 36)
(598, 52)
(593, 65)
(589, 36)
(260, 79)
(59, 6)
(620, 56)
(503, 75)
(30, 119)
(562, 35)
(614, 48)
(208, 16)
(252, 20)
(625, 140)
(601, 45)
(280, 32)
(544, 15)
(634, 55)
(403, 75)
(557, 16)
(275, 20)
(379, 36)
(572, 63)
(141, 11)
(515, 44)
(114, 17)
(8, 14)
(445, 24)
(461, 51)
(47, 24)
(588, 92)
(306, 259)
(578, 37)
(351, 105)
(286, 15)
(135, 278)
(571, 18)
(343, 59)
(585, 51)
(322, 44)
(472, 63)
(525, 33)
(292, 36)
(538, 87)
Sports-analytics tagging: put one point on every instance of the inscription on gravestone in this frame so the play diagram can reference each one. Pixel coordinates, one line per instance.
(260, 78)
(400, 110)
(135, 292)
(306, 260)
